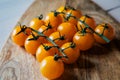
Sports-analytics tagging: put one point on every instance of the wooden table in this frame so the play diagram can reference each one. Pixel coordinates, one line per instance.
(102, 62)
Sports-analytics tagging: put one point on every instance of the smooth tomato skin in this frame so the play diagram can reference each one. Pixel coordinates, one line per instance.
(83, 41)
(56, 35)
(32, 45)
(88, 20)
(109, 33)
(72, 53)
(62, 9)
(67, 29)
(41, 53)
(53, 20)
(20, 38)
(76, 13)
(36, 23)
(47, 32)
(50, 68)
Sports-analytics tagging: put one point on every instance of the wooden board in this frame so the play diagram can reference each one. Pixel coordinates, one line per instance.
(102, 62)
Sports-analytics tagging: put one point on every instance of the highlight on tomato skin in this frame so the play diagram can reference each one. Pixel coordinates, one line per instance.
(106, 30)
(19, 34)
(51, 68)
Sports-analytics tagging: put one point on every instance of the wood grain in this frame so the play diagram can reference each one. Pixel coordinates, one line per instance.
(102, 62)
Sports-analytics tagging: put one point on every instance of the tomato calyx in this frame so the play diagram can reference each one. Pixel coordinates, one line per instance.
(105, 27)
(48, 27)
(72, 45)
(60, 37)
(57, 57)
(56, 13)
(83, 31)
(87, 16)
(40, 17)
(34, 37)
(23, 29)
(48, 47)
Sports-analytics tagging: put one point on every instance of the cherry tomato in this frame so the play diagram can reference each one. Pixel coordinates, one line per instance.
(62, 11)
(42, 52)
(72, 52)
(19, 35)
(76, 13)
(36, 23)
(46, 30)
(84, 40)
(53, 19)
(67, 29)
(58, 38)
(32, 45)
(51, 68)
(106, 30)
(88, 20)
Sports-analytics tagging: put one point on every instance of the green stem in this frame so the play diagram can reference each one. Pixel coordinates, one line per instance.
(51, 41)
(86, 25)
(102, 36)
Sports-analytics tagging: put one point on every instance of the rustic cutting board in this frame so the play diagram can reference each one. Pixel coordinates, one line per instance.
(102, 62)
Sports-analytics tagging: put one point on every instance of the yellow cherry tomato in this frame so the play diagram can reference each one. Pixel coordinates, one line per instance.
(88, 20)
(43, 51)
(75, 13)
(32, 45)
(72, 52)
(67, 29)
(106, 30)
(53, 19)
(36, 23)
(84, 40)
(19, 35)
(51, 68)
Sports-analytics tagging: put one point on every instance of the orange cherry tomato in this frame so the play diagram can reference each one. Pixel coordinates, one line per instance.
(53, 19)
(67, 29)
(58, 38)
(106, 30)
(36, 23)
(19, 35)
(42, 52)
(46, 30)
(84, 40)
(51, 68)
(72, 52)
(88, 20)
(62, 10)
(32, 45)
(76, 13)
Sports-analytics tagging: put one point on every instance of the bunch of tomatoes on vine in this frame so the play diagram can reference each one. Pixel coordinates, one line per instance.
(60, 37)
